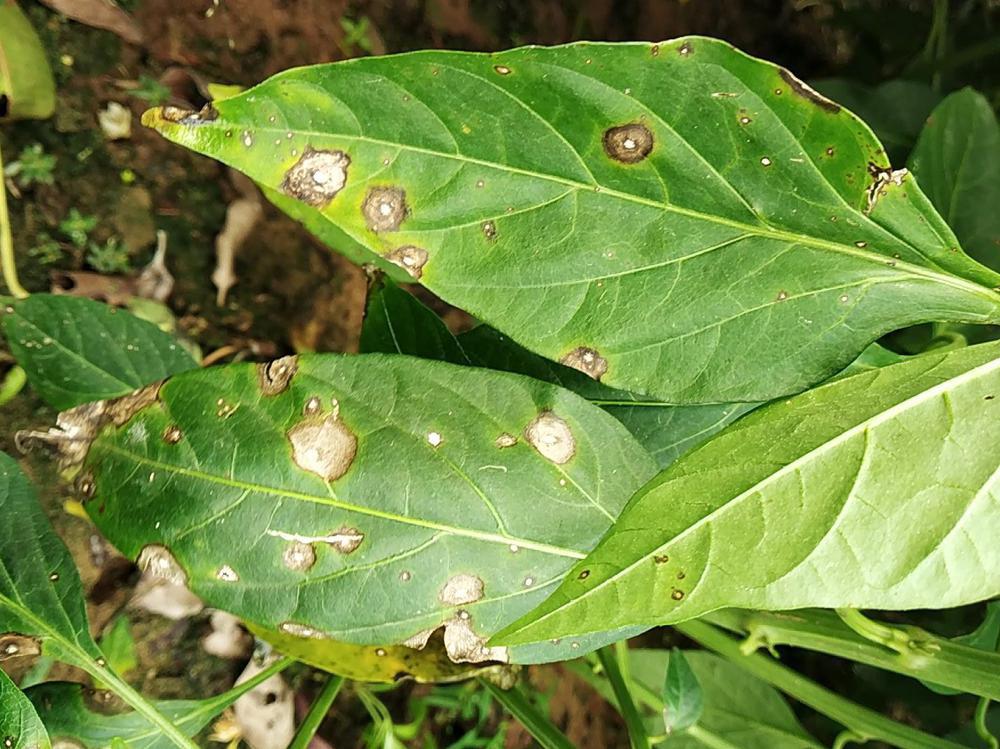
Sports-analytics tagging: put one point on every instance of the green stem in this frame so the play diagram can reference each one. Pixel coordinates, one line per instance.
(938, 660)
(904, 640)
(317, 712)
(139, 703)
(7, 262)
(626, 705)
(847, 737)
(709, 739)
(862, 721)
(980, 722)
(540, 727)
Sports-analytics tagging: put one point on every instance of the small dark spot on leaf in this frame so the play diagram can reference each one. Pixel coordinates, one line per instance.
(808, 92)
(988, 397)
(86, 485)
(681, 575)
(489, 230)
(677, 594)
(654, 50)
(628, 144)
(586, 360)
(274, 376)
(685, 49)
(830, 151)
(583, 575)
(501, 69)
(661, 559)
(410, 258)
(385, 208)
(317, 176)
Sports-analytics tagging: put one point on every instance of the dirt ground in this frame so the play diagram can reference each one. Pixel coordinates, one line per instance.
(293, 293)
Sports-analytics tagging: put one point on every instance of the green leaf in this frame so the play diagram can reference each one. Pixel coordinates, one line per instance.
(984, 637)
(957, 161)
(683, 697)
(678, 219)
(396, 322)
(119, 647)
(27, 89)
(895, 110)
(797, 504)
(67, 714)
(76, 350)
(20, 727)
(41, 599)
(416, 494)
(739, 711)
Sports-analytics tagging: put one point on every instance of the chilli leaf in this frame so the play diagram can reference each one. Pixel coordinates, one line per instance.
(41, 598)
(396, 322)
(20, 727)
(683, 698)
(64, 709)
(76, 350)
(738, 709)
(799, 504)
(957, 161)
(677, 219)
(416, 494)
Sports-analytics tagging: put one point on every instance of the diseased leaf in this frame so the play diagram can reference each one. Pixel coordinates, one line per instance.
(894, 110)
(797, 504)
(41, 599)
(66, 711)
(739, 709)
(415, 494)
(27, 89)
(76, 350)
(683, 698)
(20, 727)
(677, 219)
(957, 161)
(396, 322)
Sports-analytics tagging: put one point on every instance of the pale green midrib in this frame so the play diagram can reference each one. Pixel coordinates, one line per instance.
(73, 354)
(85, 662)
(841, 438)
(765, 232)
(303, 497)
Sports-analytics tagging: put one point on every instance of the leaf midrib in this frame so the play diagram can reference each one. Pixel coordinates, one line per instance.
(340, 504)
(860, 428)
(760, 231)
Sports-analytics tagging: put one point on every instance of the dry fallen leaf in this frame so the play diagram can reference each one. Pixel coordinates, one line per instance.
(101, 14)
(241, 217)
(266, 714)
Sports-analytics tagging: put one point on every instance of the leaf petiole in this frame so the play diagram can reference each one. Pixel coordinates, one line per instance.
(7, 262)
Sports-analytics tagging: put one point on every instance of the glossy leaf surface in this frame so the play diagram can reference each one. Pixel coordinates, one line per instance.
(396, 322)
(76, 350)
(20, 727)
(679, 219)
(415, 494)
(878, 491)
(957, 161)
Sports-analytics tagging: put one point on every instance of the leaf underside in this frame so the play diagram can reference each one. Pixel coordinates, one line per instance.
(703, 224)
(875, 491)
(446, 514)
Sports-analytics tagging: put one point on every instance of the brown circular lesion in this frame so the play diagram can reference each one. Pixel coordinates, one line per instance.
(385, 208)
(410, 258)
(629, 143)
(274, 376)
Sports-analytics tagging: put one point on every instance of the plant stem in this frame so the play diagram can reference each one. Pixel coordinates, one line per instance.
(319, 709)
(539, 726)
(904, 640)
(980, 722)
(950, 664)
(7, 262)
(626, 705)
(139, 703)
(866, 723)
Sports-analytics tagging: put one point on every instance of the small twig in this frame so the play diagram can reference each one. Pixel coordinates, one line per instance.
(7, 260)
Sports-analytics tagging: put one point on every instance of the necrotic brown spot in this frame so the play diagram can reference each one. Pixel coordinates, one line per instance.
(274, 376)
(299, 556)
(489, 230)
(346, 540)
(16, 646)
(410, 258)
(685, 49)
(385, 208)
(628, 144)
(86, 485)
(551, 437)
(461, 589)
(807, 92)
(325, 447)
(159, 562)
(588, 361)
(172, 434)
(317, 176)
